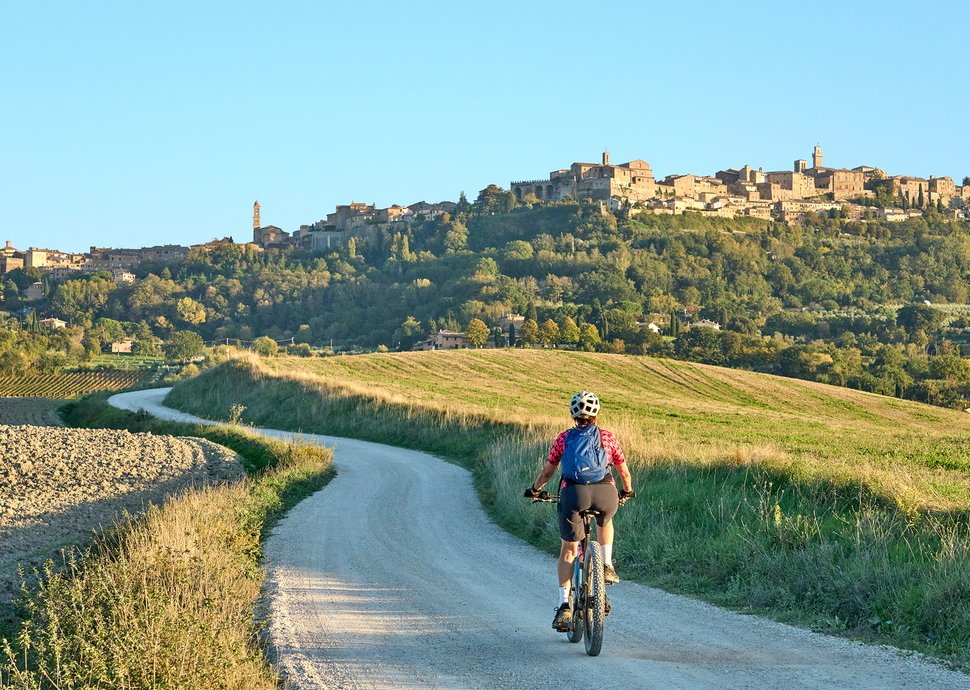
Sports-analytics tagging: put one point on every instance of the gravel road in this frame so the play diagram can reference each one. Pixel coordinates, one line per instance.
(393, 577)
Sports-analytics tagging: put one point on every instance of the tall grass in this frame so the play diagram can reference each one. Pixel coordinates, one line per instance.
(828, 508)
(165, 600)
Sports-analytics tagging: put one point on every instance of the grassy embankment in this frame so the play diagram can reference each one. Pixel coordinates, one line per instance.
(166, 600)
(827, 507)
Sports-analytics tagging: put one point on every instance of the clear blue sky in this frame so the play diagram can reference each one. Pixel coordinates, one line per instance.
(131, 123)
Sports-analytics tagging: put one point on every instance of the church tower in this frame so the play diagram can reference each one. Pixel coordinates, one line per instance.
(606, 157)
(817, 157)
(256, 223)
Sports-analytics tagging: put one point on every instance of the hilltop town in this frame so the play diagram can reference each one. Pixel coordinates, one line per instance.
(624, 189)
(629, 189)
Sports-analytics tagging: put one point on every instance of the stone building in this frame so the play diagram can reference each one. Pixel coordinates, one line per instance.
(270, 235)
(36, 258)
(34, 292)
(942, 189)
(107, 259)
(746, 175)
(631, 182)
(903, 186)
(798, 210)
(352, 215)
(840, 183)
(10, 263)
(428, 211)
(443, 340)
(786, 184)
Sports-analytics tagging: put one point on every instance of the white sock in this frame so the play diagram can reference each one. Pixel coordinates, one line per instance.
(607, 553)
(563, 595)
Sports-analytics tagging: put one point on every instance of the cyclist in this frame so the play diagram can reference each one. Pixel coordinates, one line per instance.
(583, 493)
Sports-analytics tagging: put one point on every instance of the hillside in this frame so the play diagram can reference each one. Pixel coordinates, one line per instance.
(665, 410)
(833, 300)
(835, 509)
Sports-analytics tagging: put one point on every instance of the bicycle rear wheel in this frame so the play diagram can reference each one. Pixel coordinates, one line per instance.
(575, 633)
(594, 606)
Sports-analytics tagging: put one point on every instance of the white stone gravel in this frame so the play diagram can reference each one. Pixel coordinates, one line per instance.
(58, 484)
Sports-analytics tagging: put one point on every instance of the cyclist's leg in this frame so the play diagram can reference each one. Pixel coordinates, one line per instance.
(571, 532)
(567, 556)
(606, 500)
(604, 533)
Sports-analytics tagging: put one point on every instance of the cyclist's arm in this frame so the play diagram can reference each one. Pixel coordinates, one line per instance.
(625, 476)
(544, 476)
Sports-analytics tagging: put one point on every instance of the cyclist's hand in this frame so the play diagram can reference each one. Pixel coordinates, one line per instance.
(627, 495)
(532, 492)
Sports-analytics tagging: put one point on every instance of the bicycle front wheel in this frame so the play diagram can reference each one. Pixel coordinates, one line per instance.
(594, 611)
(575, 633)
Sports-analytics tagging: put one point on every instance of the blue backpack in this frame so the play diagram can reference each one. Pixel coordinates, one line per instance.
(584, 460)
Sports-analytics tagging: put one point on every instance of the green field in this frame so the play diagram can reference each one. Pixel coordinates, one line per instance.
(828, 507)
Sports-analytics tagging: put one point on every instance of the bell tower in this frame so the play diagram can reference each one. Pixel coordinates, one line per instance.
(606, 157)
(256, 223)
(817, 156)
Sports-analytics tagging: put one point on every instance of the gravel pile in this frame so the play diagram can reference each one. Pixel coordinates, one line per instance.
(57, 485)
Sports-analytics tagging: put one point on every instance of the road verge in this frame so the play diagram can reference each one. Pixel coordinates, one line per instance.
(166, 599)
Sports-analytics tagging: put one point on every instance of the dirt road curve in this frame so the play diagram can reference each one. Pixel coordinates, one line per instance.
(393, 577)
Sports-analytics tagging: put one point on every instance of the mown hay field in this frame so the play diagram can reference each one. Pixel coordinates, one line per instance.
(672, 411)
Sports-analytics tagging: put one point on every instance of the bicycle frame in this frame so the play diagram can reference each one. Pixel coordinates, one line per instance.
(588, 597)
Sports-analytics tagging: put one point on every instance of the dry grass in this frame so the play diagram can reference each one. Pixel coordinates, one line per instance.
(166, 600)
(671, 411)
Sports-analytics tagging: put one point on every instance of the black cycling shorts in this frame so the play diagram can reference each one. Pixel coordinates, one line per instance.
(576, 497)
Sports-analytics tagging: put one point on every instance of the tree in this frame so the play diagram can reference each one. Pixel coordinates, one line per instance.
(569, 331)
(408, 333)
(476, 334)
(548, 332)
(966, 181)
(24, 277)
(919, 197)
(265, 346)
(145, 347)
(674, 324)
(191, 311)
(494, 199)
(456, 238)
(589, 337)
(183, 346)
(463, 206)
(918, 317)
(512, 335)
(530, 332)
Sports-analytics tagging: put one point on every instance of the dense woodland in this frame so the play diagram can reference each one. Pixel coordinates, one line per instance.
(832, 300)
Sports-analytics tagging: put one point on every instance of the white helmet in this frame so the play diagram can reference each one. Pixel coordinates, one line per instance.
(585, 404)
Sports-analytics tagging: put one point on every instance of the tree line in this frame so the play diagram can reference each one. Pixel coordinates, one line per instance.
(830, 300)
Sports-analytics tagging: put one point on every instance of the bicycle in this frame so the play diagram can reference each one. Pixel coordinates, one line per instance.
(588, 596)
